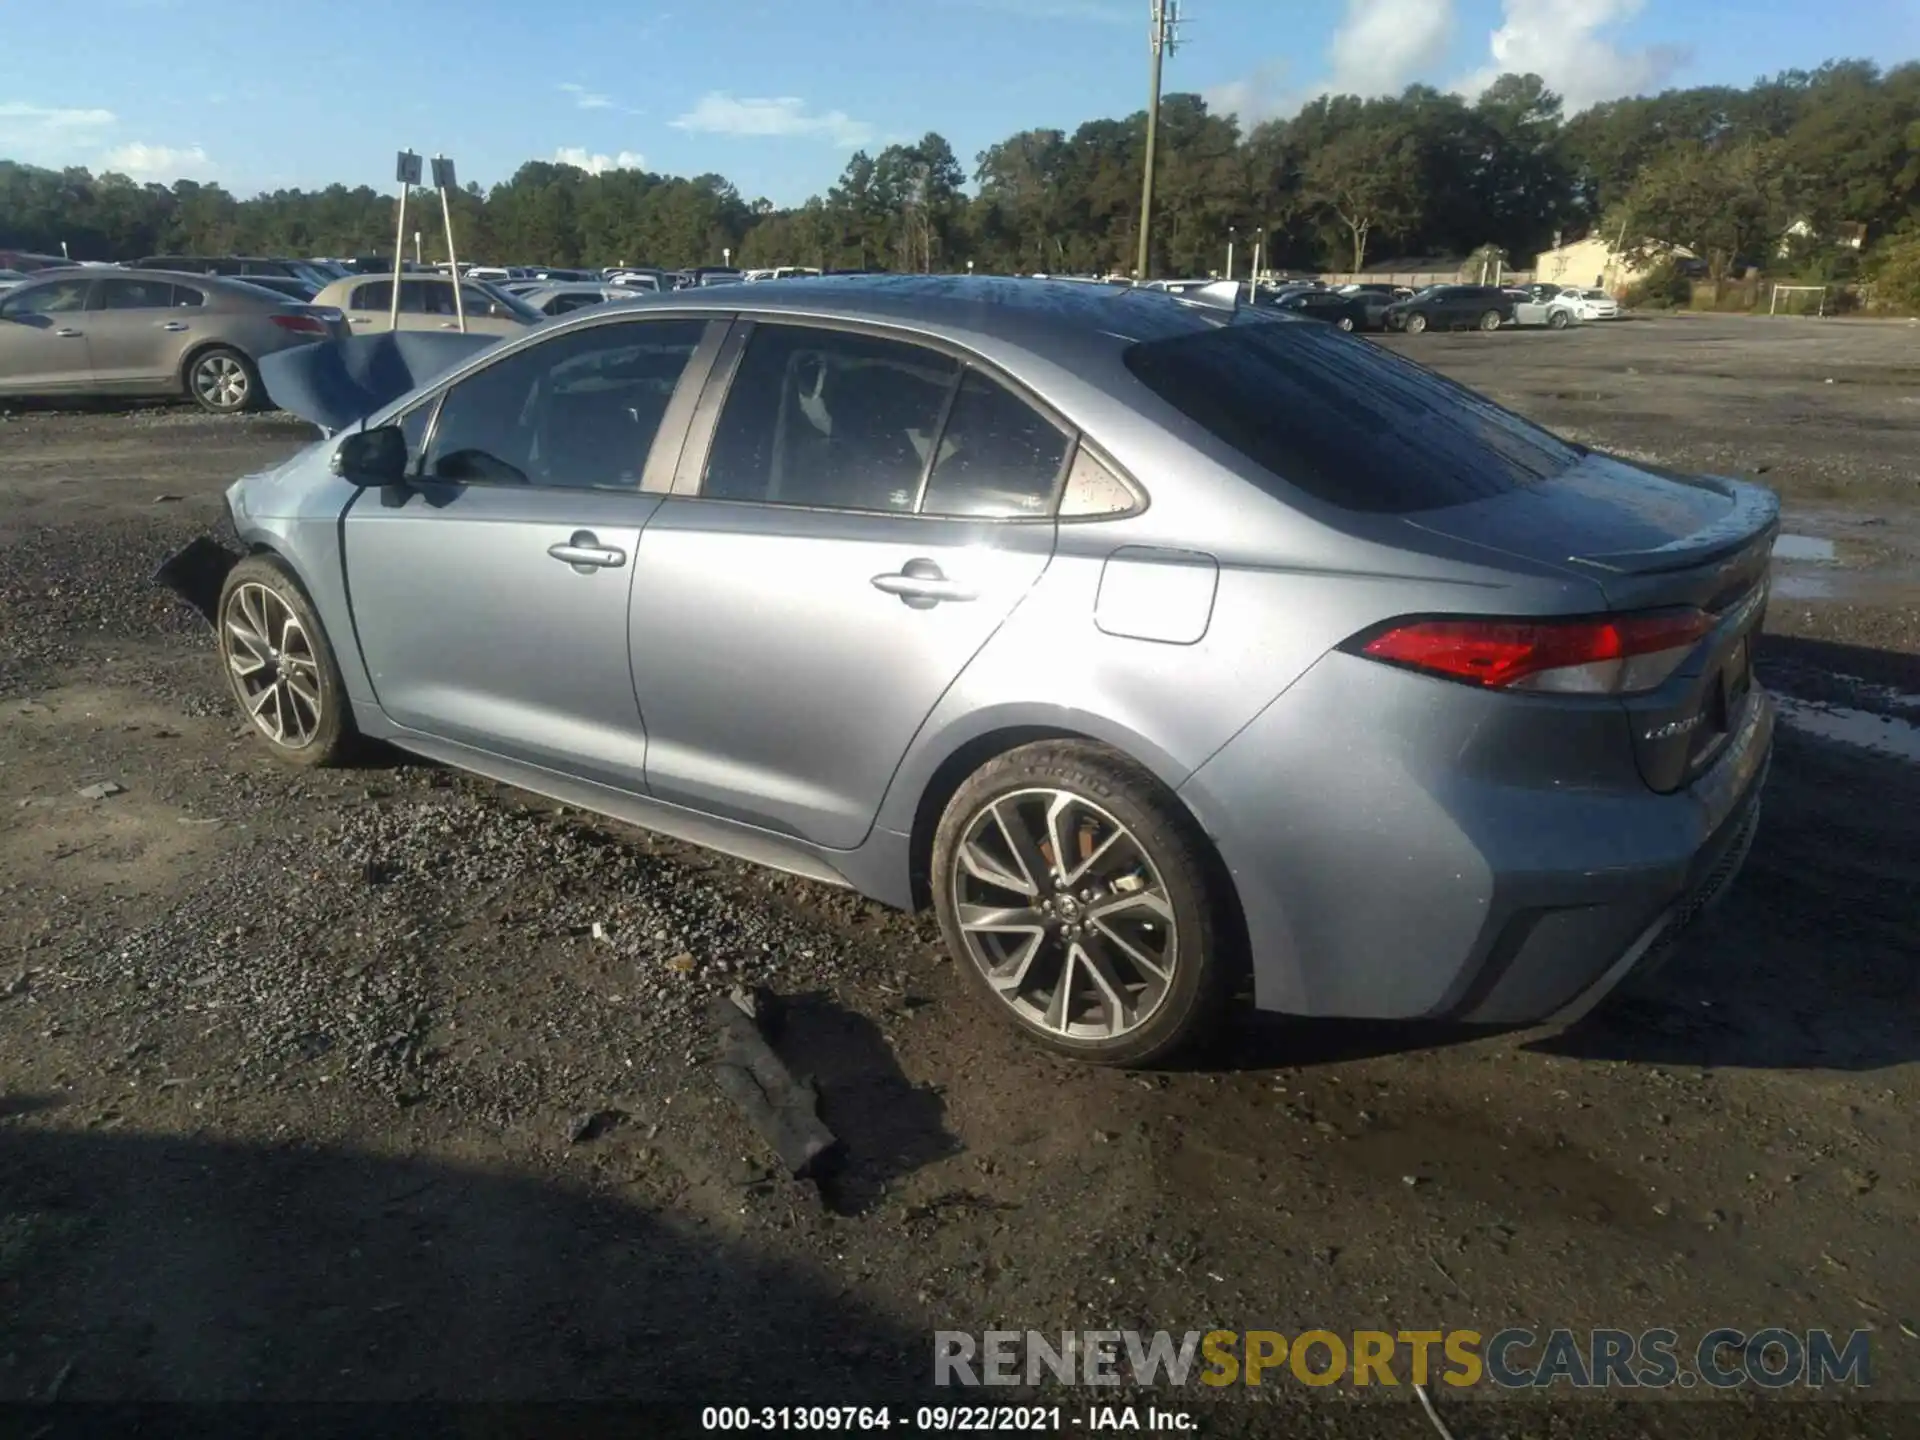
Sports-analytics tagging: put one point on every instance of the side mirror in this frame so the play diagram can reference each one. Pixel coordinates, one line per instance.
(372, 457)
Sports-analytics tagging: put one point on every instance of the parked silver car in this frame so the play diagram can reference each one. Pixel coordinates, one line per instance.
(563, 297)
(150, 332)
(1154, 643)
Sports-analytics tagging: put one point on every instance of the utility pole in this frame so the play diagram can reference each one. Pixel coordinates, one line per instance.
(1165, 19)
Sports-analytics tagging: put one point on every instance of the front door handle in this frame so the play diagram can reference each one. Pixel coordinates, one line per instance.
(921, 585)
(66, 334)
(173, 324)
(586, 554)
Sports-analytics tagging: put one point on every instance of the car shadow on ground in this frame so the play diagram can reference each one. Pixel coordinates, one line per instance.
(174, 1268)
(1808, 961)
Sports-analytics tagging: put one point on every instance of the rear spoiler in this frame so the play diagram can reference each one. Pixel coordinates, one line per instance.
(1753, 513)
(334, 383)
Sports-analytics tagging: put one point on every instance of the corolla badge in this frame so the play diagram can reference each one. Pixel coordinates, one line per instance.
(1675, 728)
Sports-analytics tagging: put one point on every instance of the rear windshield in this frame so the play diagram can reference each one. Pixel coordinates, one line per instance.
(1344, 420)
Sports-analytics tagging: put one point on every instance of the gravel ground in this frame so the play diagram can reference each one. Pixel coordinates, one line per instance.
(388, 1083)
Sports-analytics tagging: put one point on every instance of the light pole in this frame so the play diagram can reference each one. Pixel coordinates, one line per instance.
(1232, 232)
(1165, 18)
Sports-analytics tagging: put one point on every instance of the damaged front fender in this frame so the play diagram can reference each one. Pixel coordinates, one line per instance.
(197, 573)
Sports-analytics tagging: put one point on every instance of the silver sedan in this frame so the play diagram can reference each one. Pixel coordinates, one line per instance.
(1160, 645)
(150, 332)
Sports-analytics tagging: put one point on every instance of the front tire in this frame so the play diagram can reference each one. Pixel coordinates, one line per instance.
(280, 666)
(1490, 320)
(1416, 324)
(1345, 322)
(223, 381)
(1075, 892)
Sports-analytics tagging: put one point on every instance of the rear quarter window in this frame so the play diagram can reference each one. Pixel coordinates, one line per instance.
(1344, 421)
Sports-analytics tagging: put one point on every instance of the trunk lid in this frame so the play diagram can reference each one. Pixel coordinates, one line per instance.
(1650, 539)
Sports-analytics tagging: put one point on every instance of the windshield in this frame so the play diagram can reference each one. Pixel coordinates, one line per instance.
(512, 304)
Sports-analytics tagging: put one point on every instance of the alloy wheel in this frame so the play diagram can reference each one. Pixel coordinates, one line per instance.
(1065, 914)
(273, 665)
(220, 382)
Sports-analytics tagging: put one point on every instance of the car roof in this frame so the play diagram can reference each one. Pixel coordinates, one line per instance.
(1053, 318)
(217, 284)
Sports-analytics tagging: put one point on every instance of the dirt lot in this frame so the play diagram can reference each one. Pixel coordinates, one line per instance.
(294, 1069)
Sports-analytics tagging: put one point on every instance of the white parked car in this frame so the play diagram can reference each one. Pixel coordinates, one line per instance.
(1591, 304)
(10, 278)
(1535, 307)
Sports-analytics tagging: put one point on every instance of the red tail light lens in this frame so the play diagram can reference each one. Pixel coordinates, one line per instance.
(300, 324)
(1615, 655)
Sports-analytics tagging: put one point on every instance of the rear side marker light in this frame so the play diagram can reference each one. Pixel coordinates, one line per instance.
(1612, 655)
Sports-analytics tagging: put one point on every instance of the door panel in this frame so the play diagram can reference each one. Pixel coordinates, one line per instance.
(134, 333)
(472, 630)
(43, 339)
(781, 684)
(490, 594)
(43, 352)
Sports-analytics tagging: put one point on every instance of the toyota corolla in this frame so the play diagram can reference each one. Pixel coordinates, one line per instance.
(1166, 648)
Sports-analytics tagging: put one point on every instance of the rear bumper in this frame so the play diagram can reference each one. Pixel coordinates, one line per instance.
(1438, 877)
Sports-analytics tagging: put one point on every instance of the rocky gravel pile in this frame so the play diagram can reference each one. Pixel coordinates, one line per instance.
(68, 585)
(346, 954)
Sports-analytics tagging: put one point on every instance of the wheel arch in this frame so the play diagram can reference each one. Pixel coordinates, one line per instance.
(964, 758)
(200, 347)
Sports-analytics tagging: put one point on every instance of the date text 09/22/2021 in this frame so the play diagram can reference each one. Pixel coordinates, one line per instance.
(947, 1419)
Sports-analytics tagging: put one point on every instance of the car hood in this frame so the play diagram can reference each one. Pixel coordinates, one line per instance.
(333, 383)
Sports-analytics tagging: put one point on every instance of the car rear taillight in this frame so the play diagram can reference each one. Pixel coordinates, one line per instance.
(1610, 655)
(300, 324)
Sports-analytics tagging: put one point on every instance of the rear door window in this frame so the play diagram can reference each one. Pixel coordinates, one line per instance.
(999, 458)
(826, 418)
(1353, 425)
(132, 295)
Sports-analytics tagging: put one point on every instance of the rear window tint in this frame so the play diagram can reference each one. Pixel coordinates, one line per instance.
(1345, 421)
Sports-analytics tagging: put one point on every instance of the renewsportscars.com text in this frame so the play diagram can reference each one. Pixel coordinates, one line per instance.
(1771, 1358)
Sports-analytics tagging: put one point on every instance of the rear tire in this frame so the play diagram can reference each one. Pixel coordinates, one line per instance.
(223, 381)
(1416, 323)
(1128, 927)
(1490, 320)
(1557, 320)
(1345, 322)
(280, 666)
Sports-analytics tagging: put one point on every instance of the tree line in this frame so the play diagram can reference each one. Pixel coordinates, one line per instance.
(1347, 181)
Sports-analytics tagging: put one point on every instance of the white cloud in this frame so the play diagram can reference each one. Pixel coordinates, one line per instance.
(719, 113)
(50, 135)
(1380, 47)
(1383, 45)
(1256, 97)
(589, 99)
(578, 157)
(1562, 42)
(158, 162)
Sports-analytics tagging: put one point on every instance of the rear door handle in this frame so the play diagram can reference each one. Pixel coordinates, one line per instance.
(585, 553)
(66, 334)
(921, 584)
(173, 324)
